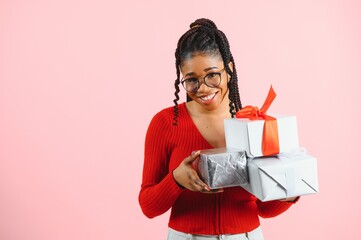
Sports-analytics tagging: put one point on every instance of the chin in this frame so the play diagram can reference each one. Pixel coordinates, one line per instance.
(210, 107)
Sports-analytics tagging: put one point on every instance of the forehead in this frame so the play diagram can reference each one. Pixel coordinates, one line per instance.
(199, 62)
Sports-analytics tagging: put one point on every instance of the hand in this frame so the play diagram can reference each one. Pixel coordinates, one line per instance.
(289, 199)
(187, 177)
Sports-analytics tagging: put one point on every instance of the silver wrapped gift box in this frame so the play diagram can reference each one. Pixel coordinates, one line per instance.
(221, 168)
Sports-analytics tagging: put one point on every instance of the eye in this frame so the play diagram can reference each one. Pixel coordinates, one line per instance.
(191, 80)
(212, 75)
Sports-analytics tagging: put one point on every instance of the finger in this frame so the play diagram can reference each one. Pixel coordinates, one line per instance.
(202, 186)
(195, 178)
(215, 191)
(288, 199)
(196, 183)
(195, 152)
(192, 157)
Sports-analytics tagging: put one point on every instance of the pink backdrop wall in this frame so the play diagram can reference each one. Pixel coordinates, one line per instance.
(80, 81)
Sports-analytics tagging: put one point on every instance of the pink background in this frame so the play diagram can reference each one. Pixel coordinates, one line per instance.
(80, 81)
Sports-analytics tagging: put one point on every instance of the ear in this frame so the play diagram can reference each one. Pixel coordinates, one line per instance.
(230, 65)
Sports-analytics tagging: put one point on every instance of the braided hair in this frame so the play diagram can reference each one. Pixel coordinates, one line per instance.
(204, 37)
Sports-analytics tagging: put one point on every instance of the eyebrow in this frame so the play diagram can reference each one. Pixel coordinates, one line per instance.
(204, 70)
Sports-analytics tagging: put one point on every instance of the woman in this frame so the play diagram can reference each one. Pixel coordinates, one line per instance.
(209, 76)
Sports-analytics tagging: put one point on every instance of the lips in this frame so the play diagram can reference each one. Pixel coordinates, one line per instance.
(208, 97)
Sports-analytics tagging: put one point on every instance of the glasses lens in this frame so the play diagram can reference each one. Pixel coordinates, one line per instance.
(213, 79)
(191, 85)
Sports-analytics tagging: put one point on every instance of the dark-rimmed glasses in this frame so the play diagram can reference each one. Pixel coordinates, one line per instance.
(212, 80)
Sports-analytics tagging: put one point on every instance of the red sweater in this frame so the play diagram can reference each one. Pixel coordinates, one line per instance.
(232, 211)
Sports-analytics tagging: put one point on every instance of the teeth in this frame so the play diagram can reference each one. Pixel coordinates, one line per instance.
(209, 97)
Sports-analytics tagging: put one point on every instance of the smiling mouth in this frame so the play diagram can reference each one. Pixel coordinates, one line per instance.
(208, 97)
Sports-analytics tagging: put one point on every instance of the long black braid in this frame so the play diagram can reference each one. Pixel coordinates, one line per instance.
(204, 37)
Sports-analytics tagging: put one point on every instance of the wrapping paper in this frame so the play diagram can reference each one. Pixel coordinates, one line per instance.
(221, 168)
(245, 134)
(260, 134)
(270, 141)
(286, 175)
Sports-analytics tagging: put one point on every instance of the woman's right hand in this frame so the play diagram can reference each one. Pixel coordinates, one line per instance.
(187, 177)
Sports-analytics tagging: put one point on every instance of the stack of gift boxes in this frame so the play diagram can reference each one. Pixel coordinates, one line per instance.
(262, 155)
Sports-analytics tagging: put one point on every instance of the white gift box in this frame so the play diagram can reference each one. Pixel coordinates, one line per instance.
(242, 133)
(284, 176)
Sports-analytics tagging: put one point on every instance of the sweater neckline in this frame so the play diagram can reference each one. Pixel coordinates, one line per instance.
(189, 118)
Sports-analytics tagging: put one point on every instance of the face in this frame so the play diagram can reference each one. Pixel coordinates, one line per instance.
(199, 66)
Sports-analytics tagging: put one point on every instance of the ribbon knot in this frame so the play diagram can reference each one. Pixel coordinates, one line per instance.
(270, 141)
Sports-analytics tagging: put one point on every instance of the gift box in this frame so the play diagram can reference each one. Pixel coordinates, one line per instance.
(246, 134)
(260, 134)
(286, 175)
(220, 167)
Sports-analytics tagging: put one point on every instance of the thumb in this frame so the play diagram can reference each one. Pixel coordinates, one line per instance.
(192, 157)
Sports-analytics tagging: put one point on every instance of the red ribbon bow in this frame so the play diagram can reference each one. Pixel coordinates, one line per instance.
(270, 141)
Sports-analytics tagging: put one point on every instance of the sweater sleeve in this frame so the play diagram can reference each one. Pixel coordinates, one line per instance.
(273, 208)
(159, 190)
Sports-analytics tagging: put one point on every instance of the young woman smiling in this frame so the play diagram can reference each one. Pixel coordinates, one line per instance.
(209, 76)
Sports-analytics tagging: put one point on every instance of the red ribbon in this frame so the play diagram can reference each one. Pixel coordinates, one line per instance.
(270, 141)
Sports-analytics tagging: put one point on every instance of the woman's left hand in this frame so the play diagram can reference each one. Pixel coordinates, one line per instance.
(292, 199)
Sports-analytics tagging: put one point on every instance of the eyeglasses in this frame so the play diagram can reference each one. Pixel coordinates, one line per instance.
(211, 80)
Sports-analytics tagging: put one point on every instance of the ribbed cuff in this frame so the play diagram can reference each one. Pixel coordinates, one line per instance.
(272, 208)
(180, 186)
(172, 183)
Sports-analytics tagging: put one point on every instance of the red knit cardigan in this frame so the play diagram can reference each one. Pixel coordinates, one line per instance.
(232, 211)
